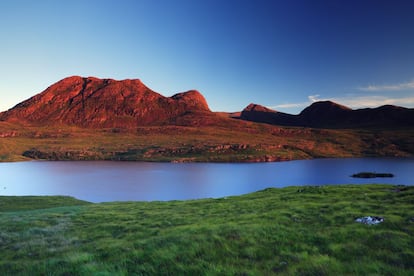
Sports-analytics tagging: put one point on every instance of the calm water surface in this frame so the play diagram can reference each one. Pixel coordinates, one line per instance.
(121, 181)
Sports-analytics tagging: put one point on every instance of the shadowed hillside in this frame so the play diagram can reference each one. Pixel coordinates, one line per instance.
(261, 114)
(327, 114)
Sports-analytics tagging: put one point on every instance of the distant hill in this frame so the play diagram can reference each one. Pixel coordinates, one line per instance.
(327, 114)
(258, 113)
(96, 103)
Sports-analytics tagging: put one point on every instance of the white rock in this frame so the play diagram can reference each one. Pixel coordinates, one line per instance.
(370, 220)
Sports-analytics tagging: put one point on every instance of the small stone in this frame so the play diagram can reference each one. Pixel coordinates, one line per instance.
(370, 220)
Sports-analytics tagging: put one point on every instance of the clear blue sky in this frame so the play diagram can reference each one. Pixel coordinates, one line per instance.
(281, 54)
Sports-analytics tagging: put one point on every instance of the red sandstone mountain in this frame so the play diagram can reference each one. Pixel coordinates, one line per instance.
(93, 102)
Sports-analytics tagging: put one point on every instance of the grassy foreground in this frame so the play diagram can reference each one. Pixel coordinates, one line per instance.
(291, 231)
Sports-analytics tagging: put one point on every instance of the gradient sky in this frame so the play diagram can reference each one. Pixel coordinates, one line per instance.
(281, 54)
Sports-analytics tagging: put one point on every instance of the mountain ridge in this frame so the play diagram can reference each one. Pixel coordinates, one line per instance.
(92, 102)
(328, 114)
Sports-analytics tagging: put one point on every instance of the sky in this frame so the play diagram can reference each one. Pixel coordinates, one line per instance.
(280, 54)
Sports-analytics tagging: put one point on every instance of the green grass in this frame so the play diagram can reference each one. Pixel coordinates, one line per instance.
(289, 231)
(21, 203)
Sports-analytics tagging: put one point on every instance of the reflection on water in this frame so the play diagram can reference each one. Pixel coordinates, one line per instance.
(120, 181)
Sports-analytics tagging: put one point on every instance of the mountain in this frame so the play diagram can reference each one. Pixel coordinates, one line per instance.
(107, 103)
(324, 114)
(327, 114)
(96, 103)
(386, 115)
(259, 113)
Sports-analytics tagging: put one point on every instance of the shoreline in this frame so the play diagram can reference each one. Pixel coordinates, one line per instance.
(299, 189)
(263, 159)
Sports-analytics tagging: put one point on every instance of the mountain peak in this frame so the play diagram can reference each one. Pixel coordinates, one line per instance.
(257, 108)
(259, 113)
(192, 99)
(325, 107)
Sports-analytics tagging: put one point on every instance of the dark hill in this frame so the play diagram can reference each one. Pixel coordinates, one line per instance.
(259, 113)
(386, 115)
(95, 103)
(327, 114)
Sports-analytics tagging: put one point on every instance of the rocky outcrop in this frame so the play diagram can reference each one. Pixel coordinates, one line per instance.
(104, 103)
(8, 134)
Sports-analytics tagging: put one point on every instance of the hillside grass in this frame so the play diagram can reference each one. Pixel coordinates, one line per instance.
(244, 142)
(289, 231)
